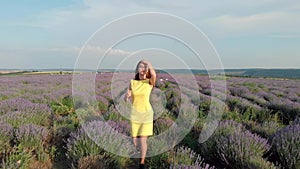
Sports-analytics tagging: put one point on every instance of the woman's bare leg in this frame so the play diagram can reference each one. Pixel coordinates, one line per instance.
(143, 142)
(135, 141)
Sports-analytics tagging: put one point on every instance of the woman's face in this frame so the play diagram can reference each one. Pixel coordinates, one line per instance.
(142, 69)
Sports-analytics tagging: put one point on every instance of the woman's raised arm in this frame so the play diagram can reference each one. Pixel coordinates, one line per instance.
(152, 72)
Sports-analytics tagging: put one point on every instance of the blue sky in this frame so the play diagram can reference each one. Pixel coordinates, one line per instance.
(247, 34)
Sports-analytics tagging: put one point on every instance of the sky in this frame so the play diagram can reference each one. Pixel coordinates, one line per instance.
(245, 33)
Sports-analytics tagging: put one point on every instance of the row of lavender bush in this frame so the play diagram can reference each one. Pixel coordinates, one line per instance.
(39, 123)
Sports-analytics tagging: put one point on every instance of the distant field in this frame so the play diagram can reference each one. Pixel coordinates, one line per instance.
(264, 73)
(9, 71)
(18, 72)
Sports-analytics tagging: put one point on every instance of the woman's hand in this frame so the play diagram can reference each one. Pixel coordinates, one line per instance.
(149, 65)
(152, 72)
(126, 98)
(128, 94)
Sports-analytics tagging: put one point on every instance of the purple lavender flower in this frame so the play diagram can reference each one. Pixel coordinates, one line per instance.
(29, 131)
(289, 110)
(286, 145)
(80, 145)
(185, 158)
(162, 124)
(6, 129)
(6, 135)
(96, 138)
(239, 148)
(238, 91)
(241, 104)
(122, 127)
(20, 104)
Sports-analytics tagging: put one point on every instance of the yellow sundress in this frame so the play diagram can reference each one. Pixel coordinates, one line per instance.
(141, 117)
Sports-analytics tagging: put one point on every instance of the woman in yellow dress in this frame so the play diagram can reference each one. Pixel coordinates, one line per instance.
(141, 117)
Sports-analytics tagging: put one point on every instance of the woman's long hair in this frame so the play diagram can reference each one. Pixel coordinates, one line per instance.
(148, 75)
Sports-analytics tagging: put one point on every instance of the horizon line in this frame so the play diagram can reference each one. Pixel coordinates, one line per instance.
(60, 69)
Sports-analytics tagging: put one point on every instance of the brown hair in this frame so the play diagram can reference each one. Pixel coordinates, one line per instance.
(148, 75)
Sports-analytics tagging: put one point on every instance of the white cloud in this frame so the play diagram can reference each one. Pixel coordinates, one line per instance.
(113, 52)
(92, 50)
(218, 18)
(263, 23)
(71, 26)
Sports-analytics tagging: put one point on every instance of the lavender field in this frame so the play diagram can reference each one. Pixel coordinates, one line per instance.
(40, 127)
